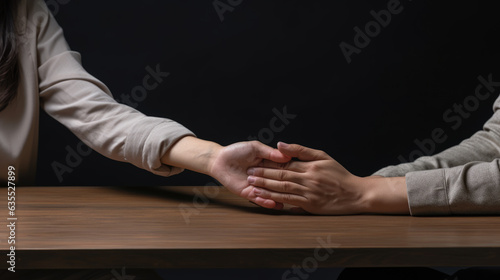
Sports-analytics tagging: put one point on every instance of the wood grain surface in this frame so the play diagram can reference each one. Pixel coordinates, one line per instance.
(208, 227)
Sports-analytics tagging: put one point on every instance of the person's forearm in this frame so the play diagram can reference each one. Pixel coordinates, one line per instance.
(386, 195)
(192, 153)
(483, 146)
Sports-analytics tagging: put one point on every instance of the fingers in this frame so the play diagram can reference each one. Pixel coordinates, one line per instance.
(292, 199)
(301, 152)
(276, 174)
(271, 164)
(263, 202)
(285, 187)
(279, 206)
(295, 166)
(266, 152)
(268, 203)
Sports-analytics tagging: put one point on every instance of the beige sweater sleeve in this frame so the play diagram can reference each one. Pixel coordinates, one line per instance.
(469, 189)
(85, 105)
(464, 179)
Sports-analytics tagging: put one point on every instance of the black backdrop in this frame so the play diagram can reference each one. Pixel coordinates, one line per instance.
(226, 76)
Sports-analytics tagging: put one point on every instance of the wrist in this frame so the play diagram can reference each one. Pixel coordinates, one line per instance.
(207, 156)
(363, 188)
(192, 153)
(386, 195)
(211, 156)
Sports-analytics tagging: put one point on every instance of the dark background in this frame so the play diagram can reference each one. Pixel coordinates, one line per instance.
(227, 76)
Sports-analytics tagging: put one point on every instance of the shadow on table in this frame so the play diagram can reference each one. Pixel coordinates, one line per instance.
(185, 197)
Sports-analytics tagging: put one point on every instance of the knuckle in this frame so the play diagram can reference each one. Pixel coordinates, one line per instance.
(281, 175)
(254, 144)
(261, 182)
(284, 166)
(286, 187)
(314, 167)
(287, 197)
(264, 194)
(314, 183)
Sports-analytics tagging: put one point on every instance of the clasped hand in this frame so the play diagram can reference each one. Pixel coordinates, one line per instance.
(309, 180)
(318, 184)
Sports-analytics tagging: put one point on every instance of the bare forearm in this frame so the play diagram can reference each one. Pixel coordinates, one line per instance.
(192, 153)
(386, 195)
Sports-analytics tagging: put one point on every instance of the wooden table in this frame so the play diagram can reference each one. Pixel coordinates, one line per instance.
(207, 227)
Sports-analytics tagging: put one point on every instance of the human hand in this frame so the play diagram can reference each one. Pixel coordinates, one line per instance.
(318, 184)
(229, 166)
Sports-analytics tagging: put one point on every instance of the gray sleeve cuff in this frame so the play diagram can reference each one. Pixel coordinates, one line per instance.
(149, 140)
(470, 189)
(427, 193)
(389, 171)
(396, 170)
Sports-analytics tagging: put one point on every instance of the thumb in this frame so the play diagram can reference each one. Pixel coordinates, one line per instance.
(272, 154)
(301, 152)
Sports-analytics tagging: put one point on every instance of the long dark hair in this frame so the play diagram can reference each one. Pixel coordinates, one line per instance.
(9, 63)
